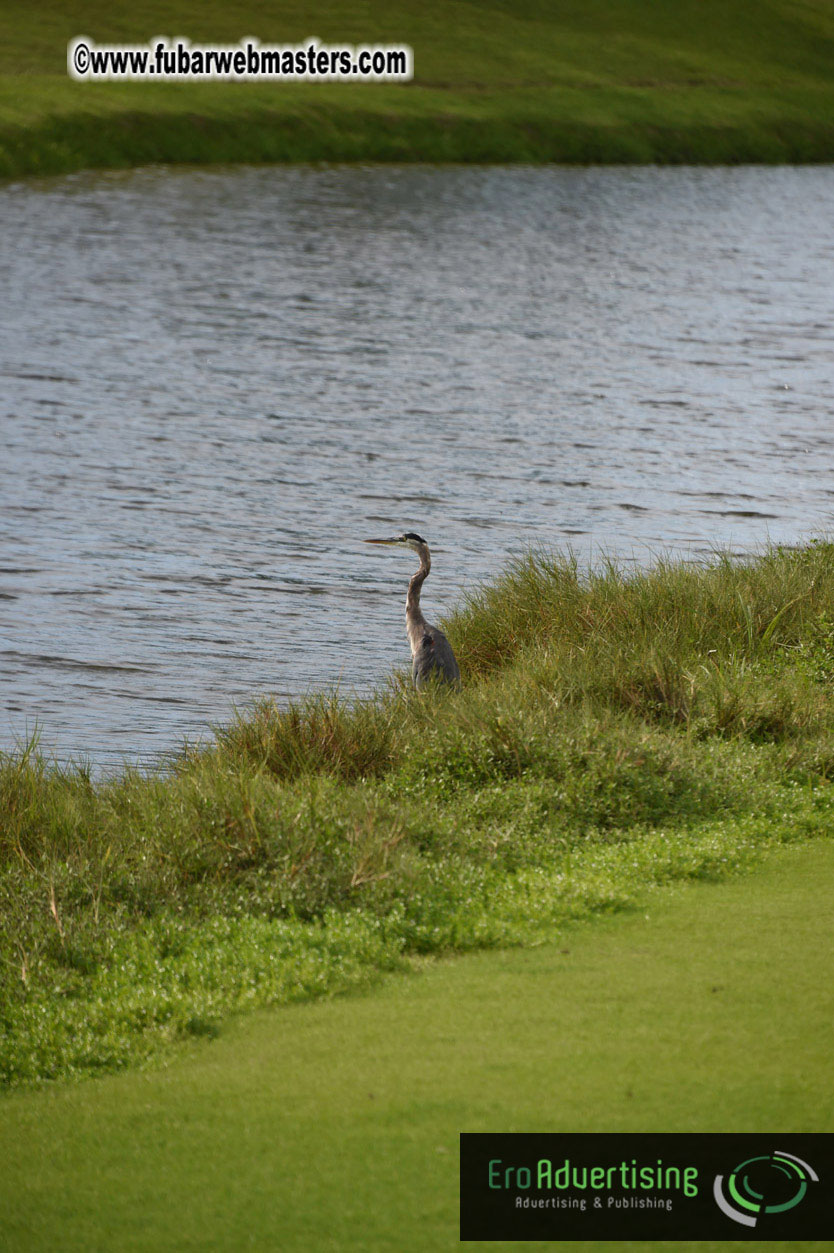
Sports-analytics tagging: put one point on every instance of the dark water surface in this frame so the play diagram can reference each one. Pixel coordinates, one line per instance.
(216, 384)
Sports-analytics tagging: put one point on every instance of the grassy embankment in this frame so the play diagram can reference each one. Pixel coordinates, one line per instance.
(602, 81)
(614, 732)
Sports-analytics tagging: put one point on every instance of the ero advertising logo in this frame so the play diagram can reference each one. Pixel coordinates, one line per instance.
(771, 1184)
(646, 1186)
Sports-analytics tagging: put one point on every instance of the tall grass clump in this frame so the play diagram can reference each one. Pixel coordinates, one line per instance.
(614, 730)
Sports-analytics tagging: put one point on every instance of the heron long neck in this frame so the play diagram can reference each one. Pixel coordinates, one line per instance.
(415, 623)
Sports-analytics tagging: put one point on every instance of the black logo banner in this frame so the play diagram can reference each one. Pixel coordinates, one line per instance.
(644, 1186)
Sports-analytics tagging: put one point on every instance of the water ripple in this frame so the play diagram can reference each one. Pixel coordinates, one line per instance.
(218, 383)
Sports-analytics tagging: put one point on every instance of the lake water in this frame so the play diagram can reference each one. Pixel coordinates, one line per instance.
(217, 383)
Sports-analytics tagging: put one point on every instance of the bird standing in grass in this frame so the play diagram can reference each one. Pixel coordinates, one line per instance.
(432, 654)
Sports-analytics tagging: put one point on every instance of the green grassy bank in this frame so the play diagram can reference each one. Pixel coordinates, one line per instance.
(584, 81)
(614, 732)
(335, 1125)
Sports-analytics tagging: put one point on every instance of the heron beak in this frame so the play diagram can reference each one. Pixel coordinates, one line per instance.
(394, 540)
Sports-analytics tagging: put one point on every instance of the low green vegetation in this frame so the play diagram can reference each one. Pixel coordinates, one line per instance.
(584, 81)
(615, 730)
(335, 1125)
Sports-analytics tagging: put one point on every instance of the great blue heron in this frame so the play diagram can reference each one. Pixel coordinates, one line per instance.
(431, 651)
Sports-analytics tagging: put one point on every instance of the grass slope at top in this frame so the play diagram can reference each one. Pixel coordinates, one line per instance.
(614, 731)
(680, 80)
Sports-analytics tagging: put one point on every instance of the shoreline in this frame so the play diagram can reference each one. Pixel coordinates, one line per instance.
(614, 731)
(86, 141)
(693, 83)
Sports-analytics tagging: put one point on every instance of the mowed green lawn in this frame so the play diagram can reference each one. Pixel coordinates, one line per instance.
(334, 1125)
(497, 80)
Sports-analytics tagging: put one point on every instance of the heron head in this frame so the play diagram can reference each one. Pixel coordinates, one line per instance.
(409, 539)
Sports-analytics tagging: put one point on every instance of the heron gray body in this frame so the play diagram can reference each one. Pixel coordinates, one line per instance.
(432, 655)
